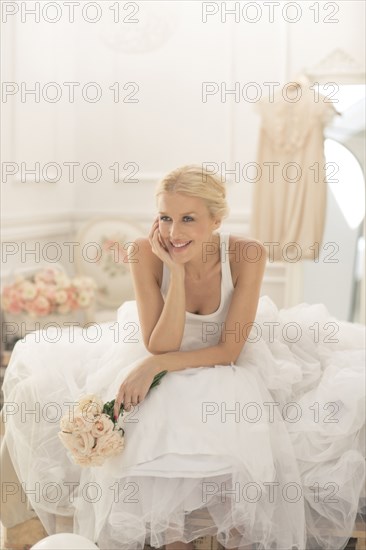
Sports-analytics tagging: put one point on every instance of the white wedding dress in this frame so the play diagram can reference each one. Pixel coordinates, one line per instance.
(269, 450)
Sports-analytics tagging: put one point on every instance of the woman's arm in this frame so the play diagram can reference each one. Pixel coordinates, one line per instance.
(237, 326)
(168, 332)
(162, 323)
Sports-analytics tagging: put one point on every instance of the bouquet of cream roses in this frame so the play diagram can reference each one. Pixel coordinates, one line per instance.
(92, 434)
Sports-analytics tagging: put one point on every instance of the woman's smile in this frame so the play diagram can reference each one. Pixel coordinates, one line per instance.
(179, 247)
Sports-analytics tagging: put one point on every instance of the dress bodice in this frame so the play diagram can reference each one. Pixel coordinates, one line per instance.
(204, 330)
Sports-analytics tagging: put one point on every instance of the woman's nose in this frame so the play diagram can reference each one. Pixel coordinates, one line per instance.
(174, 231)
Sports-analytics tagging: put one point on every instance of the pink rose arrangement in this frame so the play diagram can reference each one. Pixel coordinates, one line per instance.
(48, 291)
(92, 434)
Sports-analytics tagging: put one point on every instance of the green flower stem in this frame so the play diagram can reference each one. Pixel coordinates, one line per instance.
(108, 408)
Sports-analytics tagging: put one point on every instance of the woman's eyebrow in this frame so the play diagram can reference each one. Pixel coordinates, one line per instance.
(184, 214)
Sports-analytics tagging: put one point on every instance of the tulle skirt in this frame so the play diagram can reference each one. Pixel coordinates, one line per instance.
(269, 450)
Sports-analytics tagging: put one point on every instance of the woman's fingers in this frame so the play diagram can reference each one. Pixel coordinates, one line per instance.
(120, 400)
(134, 400)
(155, 237)
(154, 240)
(153, 227)
(126, 400)
(161, 241)
(117, 406)
(158, 245)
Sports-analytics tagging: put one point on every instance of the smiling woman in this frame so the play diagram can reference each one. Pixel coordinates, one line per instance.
(238, 440)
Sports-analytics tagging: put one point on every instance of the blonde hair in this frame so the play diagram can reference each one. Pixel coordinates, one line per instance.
(195, 181)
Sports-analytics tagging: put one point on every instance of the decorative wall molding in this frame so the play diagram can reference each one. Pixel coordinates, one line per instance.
(156, 24)
(143, 178)
(26, 228)
(339, 67)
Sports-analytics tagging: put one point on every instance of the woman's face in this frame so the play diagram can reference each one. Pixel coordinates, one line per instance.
(184, 219)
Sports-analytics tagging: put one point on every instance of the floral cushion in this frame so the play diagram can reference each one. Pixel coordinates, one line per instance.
(102, 255)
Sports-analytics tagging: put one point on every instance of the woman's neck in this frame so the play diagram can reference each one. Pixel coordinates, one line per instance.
(200, 270)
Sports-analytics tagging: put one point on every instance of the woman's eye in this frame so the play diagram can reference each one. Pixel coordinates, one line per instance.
(185, 218)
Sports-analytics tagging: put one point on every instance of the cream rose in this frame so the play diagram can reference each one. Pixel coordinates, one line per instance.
(78, 443)
(40, 286)
(28, 290)
(89, 406)
(78, 282)
(83, 443)
(60, 296)
(102, 426)
(110, 444)
(81, 424)
(66, 424)
(62, 280)
(84, 298)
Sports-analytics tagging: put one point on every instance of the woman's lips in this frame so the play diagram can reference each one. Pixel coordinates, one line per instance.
(178, 248)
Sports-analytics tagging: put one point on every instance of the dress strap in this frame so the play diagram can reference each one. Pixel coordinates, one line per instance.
(225, 262)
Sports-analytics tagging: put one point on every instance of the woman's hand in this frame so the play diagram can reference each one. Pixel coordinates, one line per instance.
(160, 249)
(135, 386)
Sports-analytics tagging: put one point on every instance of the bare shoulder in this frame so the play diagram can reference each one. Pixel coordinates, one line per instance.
(245, 242)
(146, 257)
(247, 256)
